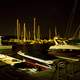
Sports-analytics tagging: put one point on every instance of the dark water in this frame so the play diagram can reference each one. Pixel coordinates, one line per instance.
(7, 72)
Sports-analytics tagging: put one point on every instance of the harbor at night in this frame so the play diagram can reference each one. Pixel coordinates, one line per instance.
(40, 40)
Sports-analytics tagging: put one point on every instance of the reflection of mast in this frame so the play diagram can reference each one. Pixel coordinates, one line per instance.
(34, 29)
(49, 33)
(38, 33)
(24, 33)
(18, 29)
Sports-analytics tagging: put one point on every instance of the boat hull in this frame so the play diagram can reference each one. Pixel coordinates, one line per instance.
(67, 53)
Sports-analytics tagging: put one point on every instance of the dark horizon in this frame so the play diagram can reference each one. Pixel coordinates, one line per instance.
(59, 13)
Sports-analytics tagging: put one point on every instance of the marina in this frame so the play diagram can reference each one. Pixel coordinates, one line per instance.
(40, 40)
(32, 58)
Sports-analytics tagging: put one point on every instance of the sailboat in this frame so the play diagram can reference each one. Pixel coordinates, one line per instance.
(62, 48)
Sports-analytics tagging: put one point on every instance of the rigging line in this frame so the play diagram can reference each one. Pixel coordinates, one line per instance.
(76, 31)
(73, 13)
(66, 30)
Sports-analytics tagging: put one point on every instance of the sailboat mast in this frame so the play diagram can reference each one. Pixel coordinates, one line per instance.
(34, 29)
(38, 35)
(49, 33)
(18, 28)
(0, 40)
(24, 33)
(29, 35)
(55, 31)
(79, 33)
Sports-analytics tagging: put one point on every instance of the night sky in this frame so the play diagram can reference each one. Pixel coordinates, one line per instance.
(59, 13)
